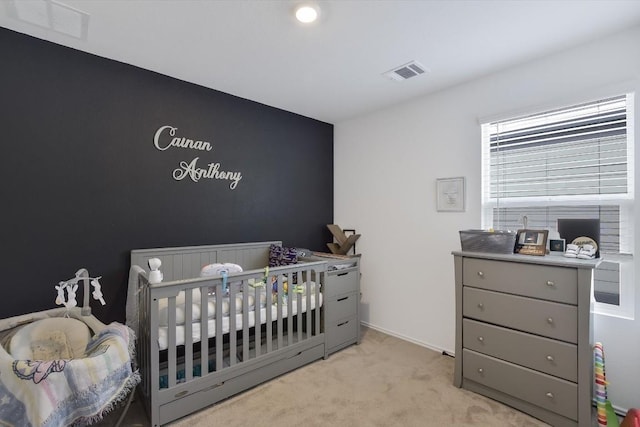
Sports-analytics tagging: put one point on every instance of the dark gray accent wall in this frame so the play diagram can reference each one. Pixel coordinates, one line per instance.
(82, 182)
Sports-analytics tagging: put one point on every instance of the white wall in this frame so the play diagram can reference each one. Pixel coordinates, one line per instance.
(386, 165)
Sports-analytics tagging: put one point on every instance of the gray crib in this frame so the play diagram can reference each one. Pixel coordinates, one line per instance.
(190, 356)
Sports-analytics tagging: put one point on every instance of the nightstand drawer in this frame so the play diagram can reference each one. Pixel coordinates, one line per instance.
(543, 354)
(543, 390)
(341, 307)
(549, 319)
(341, 282)
(545, 282)
(342, 332)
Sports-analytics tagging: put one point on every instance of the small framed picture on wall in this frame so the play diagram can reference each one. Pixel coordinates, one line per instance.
(450, 194)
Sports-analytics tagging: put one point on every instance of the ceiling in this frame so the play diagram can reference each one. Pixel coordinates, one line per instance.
(331, 70)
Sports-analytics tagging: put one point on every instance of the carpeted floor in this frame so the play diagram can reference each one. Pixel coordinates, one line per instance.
(384, 381)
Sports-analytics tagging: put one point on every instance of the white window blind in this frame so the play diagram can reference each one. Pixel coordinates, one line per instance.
(572, 162)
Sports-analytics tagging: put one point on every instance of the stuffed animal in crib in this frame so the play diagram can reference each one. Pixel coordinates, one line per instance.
(219, 269)
(274, 285)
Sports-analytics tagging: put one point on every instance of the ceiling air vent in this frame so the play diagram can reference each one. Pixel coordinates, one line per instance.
(406, 71)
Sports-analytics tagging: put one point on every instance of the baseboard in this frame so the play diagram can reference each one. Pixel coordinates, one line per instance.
(409, 339)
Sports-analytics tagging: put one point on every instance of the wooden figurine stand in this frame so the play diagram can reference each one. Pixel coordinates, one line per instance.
(344, 243)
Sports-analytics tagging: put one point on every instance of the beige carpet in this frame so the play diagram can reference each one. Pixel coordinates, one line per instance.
(384, 381)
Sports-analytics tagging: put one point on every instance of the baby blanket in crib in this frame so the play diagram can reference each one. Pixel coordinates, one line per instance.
(69, 391)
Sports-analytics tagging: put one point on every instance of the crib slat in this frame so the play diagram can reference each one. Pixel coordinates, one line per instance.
(188, 333)
(233, 313)
(299, 300)
(245, 327)
(279, 311)
(269, 317)
(219, 334)
(320, 279)
(307, 296)
(289, 300)
(204, 332)
(258, 311)
(171, 342)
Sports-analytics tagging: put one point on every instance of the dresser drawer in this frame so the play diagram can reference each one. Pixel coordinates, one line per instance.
(549, 319)
(531, 280)
(543, 354)
(341, 332)
(340, 282)
(341, 307)
(542, 390)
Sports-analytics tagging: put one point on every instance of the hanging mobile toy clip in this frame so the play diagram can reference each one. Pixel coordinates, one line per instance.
(260, 283)
(97, 293)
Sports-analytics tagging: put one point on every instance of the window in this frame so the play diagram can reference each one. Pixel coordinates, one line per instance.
(573, 162)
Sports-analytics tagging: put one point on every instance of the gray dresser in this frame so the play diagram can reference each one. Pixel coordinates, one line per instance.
(341, 290)
(523, 333)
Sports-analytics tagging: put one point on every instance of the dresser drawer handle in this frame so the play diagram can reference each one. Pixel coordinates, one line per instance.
(481, 306)
(549, 395)
(342, 299)
(342, 324)
(551, 283)
(480, 371)
(481, 339)
(480, 273)
(550, 320)
(550, 358)
(342, 274)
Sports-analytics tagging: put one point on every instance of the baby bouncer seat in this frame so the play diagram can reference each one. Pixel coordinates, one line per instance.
(63, 367)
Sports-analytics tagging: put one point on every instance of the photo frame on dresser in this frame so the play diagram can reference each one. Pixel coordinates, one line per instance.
(531, 242)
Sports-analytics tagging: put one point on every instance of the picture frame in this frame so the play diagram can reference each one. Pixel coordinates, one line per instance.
(450, 194)
(557, 245)
(531, 242)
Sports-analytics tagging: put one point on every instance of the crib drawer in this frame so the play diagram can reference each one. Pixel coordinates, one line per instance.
(341, 282)
(341, 307)
(543, 354)
(545, 282)
(549, 319)
(545, 391)
(341, 333)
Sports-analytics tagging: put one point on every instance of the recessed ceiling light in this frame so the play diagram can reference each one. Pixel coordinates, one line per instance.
(306, 13)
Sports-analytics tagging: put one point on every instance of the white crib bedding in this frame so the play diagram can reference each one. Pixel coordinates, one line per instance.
(163, 304)
(163, 330)
(196, 312)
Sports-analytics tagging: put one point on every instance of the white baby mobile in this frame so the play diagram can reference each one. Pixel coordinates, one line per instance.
(71, 286)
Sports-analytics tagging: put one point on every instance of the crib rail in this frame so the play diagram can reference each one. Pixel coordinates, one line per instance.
(203, 355)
